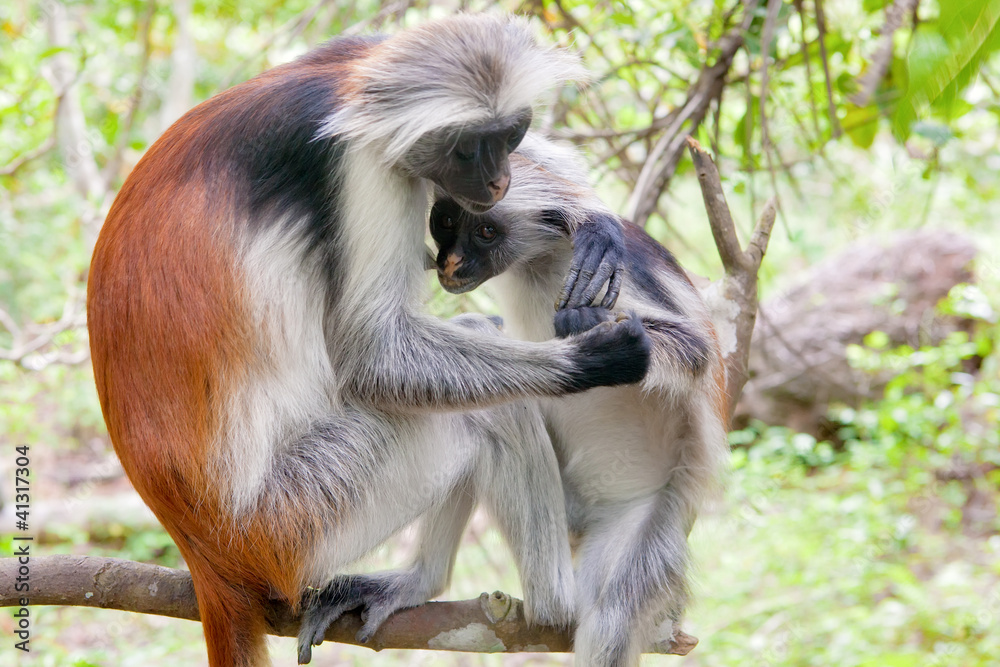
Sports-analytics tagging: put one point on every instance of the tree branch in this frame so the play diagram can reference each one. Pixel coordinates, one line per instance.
(71, 125)
(661, 163)
(868, 82)
(832, 107)
(733, 299)
(493, 623)
(19, 162)
(115, 161)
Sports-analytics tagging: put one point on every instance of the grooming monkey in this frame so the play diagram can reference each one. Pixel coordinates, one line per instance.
(636, 461)
(269, 383)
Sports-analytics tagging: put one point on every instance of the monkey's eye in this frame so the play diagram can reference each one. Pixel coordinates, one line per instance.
(445, 222)
(486, 232)
(465, 151)
(514, 140)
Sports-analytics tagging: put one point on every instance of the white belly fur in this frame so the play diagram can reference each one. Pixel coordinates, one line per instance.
(616, 444)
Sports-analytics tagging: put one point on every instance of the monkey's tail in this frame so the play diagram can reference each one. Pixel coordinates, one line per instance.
(232, 618)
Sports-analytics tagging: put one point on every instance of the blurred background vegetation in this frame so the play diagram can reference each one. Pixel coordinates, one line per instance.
(868, 536)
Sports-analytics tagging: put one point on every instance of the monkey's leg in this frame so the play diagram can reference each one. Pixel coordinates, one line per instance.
(631, 576)
(382, 593)
(519, 483)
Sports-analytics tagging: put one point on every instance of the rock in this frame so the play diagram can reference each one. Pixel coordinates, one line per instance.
(798, 362)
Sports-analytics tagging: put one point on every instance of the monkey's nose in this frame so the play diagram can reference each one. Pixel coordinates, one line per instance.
(498, 187)
(451, 264)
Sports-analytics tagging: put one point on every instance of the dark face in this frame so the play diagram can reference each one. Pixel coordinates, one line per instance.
(471, 165)
(470, 246)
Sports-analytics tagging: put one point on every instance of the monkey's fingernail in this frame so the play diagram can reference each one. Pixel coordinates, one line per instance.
(621, 317)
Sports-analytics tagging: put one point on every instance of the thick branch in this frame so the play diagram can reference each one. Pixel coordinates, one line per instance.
(493, 623)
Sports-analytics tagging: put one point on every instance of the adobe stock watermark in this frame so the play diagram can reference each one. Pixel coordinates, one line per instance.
(22, 543)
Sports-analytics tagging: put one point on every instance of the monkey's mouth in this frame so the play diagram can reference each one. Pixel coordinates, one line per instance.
(473, 206)
(456, 285)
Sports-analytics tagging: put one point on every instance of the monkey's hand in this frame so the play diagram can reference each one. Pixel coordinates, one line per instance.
(598, 258)
(379, 595)
(611, 350)
(573, 321)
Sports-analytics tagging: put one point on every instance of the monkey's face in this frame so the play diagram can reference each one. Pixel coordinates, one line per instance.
(471, 164)
(471, 246)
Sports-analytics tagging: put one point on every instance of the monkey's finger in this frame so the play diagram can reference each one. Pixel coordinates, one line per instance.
(614, 288)
(374, 617)
(586, 291)
(305, 653)
(581, 271)
(567, 288)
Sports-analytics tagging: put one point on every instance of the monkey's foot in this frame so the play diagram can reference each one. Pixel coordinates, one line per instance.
(378, 595)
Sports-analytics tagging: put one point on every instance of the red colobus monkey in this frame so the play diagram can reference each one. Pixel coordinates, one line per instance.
(269, 383)
(636, 461)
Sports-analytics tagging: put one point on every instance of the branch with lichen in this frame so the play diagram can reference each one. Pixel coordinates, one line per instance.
(490, 624)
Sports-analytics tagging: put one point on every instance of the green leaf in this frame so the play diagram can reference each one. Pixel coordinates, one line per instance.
(51, 51)
(861, 125)
(944, 58)
(743, 134)
(872, 6)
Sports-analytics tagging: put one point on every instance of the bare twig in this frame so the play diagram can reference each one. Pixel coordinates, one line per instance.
(868, 82)
(28, 340)
(45, 147)
(384, 14)
(768, 36)
(115, 161)
(832, 108)
(808, 63)
(721, 219)
(492, 623)
(289, 31)
(765, 47)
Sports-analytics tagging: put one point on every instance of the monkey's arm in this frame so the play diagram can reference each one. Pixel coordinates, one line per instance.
(419, 362)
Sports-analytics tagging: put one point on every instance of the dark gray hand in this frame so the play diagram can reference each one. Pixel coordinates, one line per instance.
(598, 258)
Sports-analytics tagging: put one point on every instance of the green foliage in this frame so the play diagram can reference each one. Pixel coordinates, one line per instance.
(883, 549)
(862, 550)
(942, 403)
(946, 55)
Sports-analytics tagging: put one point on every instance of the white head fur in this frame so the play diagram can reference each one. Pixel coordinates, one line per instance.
(459, 71)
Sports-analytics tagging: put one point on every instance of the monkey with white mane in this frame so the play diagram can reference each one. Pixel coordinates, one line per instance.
(269, 382)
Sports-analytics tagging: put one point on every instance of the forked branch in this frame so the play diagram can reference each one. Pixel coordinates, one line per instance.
(734, 298)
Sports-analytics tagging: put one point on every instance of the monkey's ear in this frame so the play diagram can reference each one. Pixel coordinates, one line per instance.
(555, 219)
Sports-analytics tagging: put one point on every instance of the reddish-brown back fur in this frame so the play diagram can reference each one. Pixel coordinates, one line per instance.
(171, 336)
